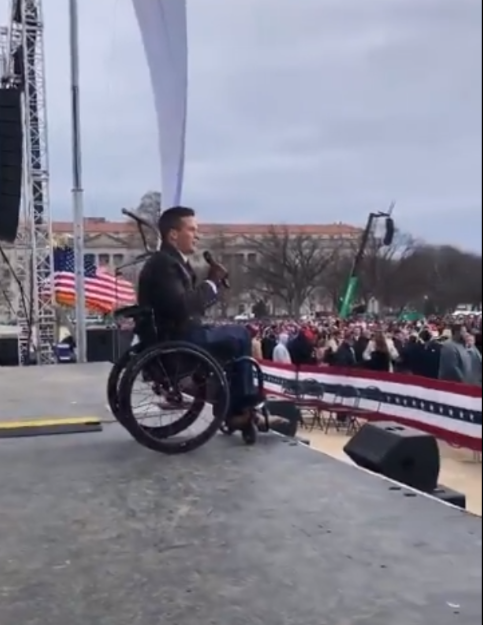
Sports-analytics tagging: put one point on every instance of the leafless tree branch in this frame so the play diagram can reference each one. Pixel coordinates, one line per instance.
(288, 267)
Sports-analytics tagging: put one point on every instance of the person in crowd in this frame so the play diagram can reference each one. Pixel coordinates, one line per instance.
(399, 338)
(475, 357)
(410, 354)
(332, 347)
(345, 355)
(422, 354)
(430, 355)
(268, 343)
(256, 343)
(478, 341)
(280, 352)
(455, 363)
(320, 348)
(302, 348)
(362, 336)
(380, 353)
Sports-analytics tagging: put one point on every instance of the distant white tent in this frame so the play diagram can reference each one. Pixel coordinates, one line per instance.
(165, 38)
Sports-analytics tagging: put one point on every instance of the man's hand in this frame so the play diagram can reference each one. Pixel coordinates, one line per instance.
(217, 273)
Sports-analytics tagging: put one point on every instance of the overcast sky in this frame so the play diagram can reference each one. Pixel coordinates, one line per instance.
(311, 111)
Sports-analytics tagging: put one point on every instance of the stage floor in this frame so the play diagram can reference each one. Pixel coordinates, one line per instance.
(51, 392)
(99, 531)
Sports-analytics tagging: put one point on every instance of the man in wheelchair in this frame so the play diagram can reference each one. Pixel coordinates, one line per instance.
(169, 286)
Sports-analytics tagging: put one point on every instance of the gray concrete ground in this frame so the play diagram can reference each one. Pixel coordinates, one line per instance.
(97, 530)
(58, 391)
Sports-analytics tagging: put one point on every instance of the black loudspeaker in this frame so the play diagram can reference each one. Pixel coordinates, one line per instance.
(107, 344)
(99, 345)
(403, 454)
(9, 351)
(11, 149)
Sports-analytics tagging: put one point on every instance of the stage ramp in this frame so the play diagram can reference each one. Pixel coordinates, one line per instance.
(98, 530)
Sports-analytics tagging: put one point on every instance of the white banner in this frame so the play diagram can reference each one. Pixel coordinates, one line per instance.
(164, 33)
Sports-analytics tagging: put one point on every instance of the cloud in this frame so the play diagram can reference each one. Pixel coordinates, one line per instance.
(314, 111)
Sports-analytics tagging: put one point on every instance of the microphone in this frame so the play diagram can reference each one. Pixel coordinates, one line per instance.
(211, 261)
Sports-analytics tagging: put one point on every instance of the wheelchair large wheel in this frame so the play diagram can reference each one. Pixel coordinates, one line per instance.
(113, 385)
(181, 369)
(114, 379)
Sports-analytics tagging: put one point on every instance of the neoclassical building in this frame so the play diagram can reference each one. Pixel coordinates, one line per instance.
(115, 243)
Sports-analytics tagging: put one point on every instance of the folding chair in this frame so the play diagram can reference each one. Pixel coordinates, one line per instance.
(356, 411)
(345, 410)
(332, 400)
(311, 393)
(373, 397)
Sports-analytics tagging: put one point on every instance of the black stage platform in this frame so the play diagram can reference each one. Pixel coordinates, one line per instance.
(98, 531)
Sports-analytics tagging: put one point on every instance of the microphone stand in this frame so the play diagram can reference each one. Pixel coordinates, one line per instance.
(132, 263)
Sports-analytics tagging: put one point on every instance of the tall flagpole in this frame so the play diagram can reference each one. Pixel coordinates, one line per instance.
(77, 190)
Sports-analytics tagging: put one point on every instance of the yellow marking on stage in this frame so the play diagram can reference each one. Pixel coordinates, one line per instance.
(51, 422)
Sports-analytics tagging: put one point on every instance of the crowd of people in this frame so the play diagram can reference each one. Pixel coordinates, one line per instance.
(436, 348)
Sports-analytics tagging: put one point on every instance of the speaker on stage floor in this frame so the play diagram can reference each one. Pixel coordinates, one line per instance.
(99, 345)
(106, 344)
(9, 351)
(11, 149)
(404, 454)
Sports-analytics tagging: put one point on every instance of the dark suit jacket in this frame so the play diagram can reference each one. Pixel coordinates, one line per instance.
(359, 349)
(345, 356)
(301, 350)
(168, 285)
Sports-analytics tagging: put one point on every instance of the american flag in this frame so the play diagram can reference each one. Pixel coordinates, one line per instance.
(104, 291)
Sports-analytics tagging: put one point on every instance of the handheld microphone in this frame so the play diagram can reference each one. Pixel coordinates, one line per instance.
(211, 261)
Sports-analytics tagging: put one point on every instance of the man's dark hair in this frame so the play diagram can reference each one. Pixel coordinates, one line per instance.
(172, 218)
(425, 335)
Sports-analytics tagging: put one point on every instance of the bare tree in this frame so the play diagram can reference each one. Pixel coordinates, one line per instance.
(289, 268)
(149, 208)
(447, 276)
(413, 274)
(380, 273)
(222, 249)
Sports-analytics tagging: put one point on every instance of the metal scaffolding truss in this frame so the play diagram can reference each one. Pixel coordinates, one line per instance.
(3, 50)
(34, 245)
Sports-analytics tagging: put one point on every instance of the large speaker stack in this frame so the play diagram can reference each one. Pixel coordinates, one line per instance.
(403, 454)
(107, 344)
(9, 351)
(11, 149)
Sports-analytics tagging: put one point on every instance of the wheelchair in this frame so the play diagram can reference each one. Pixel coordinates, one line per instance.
(182, 377)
